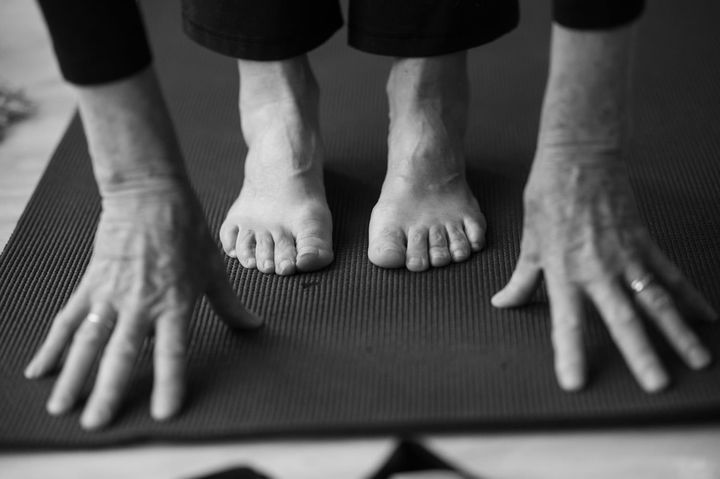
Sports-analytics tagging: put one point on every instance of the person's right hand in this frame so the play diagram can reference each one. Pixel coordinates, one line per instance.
(153, 258)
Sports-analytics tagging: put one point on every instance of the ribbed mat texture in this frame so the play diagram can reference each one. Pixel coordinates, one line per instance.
(355, 349)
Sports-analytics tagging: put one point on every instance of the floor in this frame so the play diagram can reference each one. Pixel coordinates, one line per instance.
(26, 61)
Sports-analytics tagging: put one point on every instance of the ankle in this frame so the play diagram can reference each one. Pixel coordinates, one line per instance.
(285, 82)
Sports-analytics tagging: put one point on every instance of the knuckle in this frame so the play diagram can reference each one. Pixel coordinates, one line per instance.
(564, 324)
(436, 236)
(417, 237)
(621, 320)
(87, 333)
(659, 299)
(173, 351)
(125, 350)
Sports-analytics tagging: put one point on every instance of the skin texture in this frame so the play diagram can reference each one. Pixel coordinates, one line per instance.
(426, 214)
(280, 222)
(582, 232)
(153, 257)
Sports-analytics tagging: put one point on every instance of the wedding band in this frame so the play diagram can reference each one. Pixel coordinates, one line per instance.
(641, 284)
(101, 320)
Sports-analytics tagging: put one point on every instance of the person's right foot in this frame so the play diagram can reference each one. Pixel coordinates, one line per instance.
(280, 222)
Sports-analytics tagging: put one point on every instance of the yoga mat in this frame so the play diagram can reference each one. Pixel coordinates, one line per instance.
(355, 349)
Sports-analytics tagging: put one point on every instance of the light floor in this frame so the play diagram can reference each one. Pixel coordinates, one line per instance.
(658, 453)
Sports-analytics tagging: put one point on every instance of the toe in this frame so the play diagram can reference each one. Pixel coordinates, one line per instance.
(228, 237)
(314, 246)
(438, 242)
(387, 248)
(245, 249)
(265, 252)
(475, 231)
(417, 250)
(284, 253)
(459, 244)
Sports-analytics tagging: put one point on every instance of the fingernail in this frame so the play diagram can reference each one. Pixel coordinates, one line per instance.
(699, 358)
(94, 419)
(655, 380)
(57, 405)
(496, 300)
(31, 371)
(250, 263)
(268, 265)
(571, 380)
(232, 253)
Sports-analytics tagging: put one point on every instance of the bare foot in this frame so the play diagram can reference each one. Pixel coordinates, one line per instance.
(426, 215)
(280, 223)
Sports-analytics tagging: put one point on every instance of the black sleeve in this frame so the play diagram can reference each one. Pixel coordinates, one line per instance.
(96, 41)
(596, 14)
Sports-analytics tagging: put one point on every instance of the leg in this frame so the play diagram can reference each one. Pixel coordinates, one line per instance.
(281, 221)
(426, 214)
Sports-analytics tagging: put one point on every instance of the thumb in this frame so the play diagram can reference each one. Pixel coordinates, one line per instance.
(224, 301)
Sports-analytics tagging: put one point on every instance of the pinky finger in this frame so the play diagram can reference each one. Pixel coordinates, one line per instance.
(687, 296)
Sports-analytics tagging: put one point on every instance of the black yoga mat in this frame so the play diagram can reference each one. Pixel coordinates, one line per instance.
(355, 349)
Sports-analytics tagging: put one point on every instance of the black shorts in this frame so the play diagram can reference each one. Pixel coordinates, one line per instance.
(280, 29)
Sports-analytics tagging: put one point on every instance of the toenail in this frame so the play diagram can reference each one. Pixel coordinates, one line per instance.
(416, 262)
(285, 266)
(459, 254)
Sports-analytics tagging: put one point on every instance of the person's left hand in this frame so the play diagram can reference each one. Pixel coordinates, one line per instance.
(582, 233)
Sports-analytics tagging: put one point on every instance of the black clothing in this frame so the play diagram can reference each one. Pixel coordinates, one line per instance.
(101, 41)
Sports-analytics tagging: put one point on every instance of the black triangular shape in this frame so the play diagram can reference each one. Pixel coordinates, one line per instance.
(410, 456)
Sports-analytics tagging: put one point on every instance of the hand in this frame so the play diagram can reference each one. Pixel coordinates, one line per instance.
(153, 257)
(582, 233)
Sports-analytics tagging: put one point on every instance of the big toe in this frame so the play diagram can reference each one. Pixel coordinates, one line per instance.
(387, 248)
(228, 237)
(314, 249)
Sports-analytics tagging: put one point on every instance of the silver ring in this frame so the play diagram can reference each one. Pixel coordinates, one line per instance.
(641, 284)
(101, 320)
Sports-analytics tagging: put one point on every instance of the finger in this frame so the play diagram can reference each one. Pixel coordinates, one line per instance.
(658, 306)
(687, 295)
(223, 300)
(115, 369)
(568, 317)
(520, 288)
(63, 327)
(628, 334)
(170, 356)
(88, 341)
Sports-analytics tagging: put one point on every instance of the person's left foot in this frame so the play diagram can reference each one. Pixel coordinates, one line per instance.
(426, 214)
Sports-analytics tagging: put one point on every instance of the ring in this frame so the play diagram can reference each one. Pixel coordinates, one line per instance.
(101, 320)
(641, 284)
